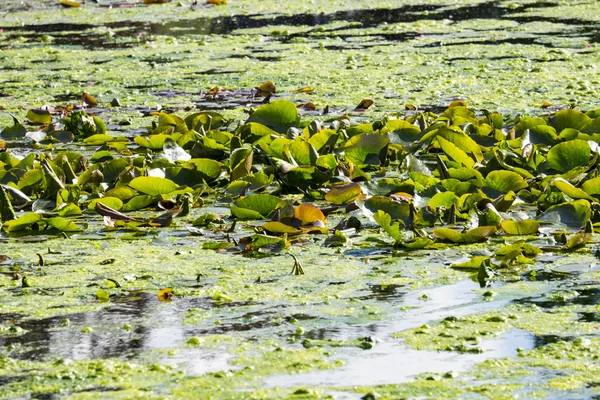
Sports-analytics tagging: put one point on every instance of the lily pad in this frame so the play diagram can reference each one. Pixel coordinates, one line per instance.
(152, 185)
(475, 235)
(524, 227)
(279, 115)
(568, 155)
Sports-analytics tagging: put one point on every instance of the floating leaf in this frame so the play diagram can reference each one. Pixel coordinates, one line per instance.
(472, 264)
(366, 149)
(102, 295)
(308, 214)
(41, 117)
(63, 225)
(279, 228)
(455, 153)
(565, 156)
(570, 190)
(443, 199)
(577, 241)
(152, 185)
(395, 209)
(505, 181)
(565, 119)
(23, 222)
(112, 202)
(343, 193)
(278, 115)
(574, 214)
(524, 227)
(394, 229)
(472, 236)
(263, 204)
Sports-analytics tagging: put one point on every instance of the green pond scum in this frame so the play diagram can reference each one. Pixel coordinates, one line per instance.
(299, 200)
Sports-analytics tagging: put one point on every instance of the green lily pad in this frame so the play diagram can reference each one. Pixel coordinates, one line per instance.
(394, 229)
(505, 181)
(279, 115)
(565, 156)
(279, 228)
(524, 227)
(343, 193)
(112, 202)
(570, 190)
(23, 222)
(443, 199)
(152, 185)
(455, 153)
(262, 204)
(395, 209)
(63, 225)
(41, 117)
(574, 214)
(565, 119)
(366, 149)
(475, 235)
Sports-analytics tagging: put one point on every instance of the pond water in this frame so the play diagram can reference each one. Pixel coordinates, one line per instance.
(366, 317)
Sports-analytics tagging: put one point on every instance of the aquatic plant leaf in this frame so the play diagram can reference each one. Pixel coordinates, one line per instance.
(394, 229)
(570, 190)
(574, 214)
(365, 148)
(577, 241)
(30, 180)
(575, 268)
(112, 202)
(100, 139)
(102, 295)
(565, 156)
(278, 115)
(527, 249)
(17, 131)
(505, 181)
(263, 204)
(343, 193)
(153, 185)
(455, 153)
(309, 214)
(138, 203)
(571, 118)
(279, 228)
(524, 227)
(124, 193)
(542, 134)
(303, 153)
(443, 199)
(41, 117)
(63, 224)
(417, 243)
(463, 142)
(23, 222)
(395, 209)
(70, 210)
(472, 264)
(592, 186)
(153, 142)
(471, 236)
(244, 213)
(209, 169)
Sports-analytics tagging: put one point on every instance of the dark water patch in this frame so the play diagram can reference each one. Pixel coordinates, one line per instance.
(584, 297)
(544, 340)
(6, 380)
(589, 317)
(215, 72)
(385, 292)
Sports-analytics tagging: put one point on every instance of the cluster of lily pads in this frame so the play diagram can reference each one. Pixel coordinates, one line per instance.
(427, 180)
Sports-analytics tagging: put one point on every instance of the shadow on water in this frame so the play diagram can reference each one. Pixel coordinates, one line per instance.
(128, 31)
(584, 297)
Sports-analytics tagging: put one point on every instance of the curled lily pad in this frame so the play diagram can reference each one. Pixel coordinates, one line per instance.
(23, 222)
(394, 229)
(570, 190)
(309, 214)
(455, 153)
(63, 225)
(395, 209)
